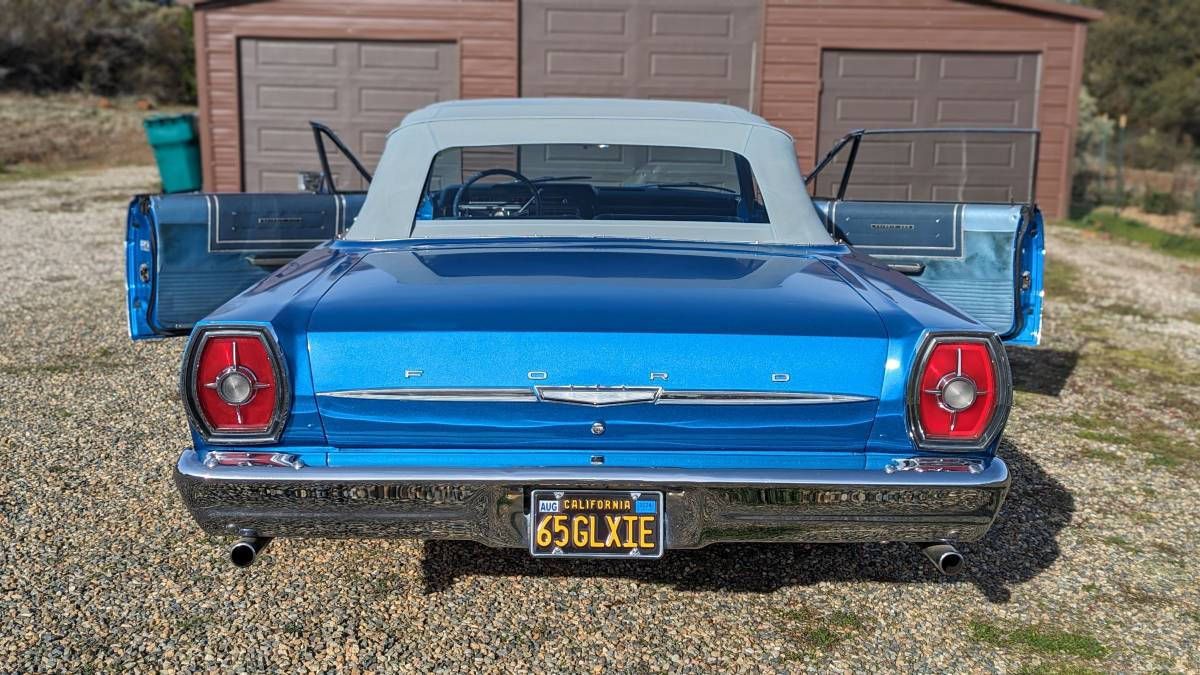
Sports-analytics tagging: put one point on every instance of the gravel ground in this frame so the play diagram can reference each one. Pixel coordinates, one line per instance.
(1091, 565)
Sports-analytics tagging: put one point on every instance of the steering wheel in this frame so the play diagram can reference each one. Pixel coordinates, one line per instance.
(534, 201)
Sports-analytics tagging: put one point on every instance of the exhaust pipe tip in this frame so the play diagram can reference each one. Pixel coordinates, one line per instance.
(244, 552)
(944, 557)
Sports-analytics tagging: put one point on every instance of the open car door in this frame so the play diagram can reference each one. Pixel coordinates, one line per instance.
(952, 208)
(187, 254)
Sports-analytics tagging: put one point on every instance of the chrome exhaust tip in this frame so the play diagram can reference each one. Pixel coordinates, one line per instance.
(243, 553)
(944, 557)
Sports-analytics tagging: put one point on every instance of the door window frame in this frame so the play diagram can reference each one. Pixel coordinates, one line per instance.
(855, 137)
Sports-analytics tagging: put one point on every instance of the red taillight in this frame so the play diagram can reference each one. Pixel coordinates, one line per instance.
(957, 391)
(235, 386)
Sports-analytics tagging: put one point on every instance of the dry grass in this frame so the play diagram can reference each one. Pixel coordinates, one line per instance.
(1184, 222)
(42, 135)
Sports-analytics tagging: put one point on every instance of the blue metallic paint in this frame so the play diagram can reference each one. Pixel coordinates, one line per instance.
(1032, 254)
(283, 302)
(609, 315)
(345, 311)
(908, 312)
(538, 287)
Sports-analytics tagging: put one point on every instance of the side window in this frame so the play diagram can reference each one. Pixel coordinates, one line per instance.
(982, 166)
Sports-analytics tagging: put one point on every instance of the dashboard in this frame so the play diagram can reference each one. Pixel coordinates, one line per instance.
(567, 201)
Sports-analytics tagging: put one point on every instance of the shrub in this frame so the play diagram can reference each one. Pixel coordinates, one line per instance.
(1159, 151)
(1161, 203)
(105, 47)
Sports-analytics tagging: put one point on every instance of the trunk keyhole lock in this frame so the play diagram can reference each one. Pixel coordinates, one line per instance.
(598, 428)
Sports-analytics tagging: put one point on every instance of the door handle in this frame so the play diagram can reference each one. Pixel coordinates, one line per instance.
(911, 269)
(268, 261)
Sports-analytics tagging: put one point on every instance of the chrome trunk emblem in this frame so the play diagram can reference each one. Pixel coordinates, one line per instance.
(597, 395)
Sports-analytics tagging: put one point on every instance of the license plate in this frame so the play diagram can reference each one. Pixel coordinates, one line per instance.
(596, 523)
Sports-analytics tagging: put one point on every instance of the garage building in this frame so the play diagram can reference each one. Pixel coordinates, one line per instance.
(814, 68)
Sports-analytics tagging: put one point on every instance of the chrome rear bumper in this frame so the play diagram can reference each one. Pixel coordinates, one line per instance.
(490, 506)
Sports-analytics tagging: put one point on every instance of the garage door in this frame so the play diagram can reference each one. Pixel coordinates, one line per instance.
(700, 50)
(359, 88)
(875, 90)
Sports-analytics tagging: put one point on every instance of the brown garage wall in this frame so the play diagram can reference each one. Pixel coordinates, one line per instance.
(485, 30)
(797, 31)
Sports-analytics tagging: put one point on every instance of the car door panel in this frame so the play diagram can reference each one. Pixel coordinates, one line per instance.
(187, 254)
(984, 258)
(980, 258)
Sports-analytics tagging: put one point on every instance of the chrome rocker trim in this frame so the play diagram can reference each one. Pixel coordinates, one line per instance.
(490, 505)
(595, 395)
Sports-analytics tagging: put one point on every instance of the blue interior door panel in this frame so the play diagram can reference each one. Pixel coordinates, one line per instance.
(187, 254)
(985, 259)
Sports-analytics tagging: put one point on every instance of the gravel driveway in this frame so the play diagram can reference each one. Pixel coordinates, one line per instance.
(1091, 566)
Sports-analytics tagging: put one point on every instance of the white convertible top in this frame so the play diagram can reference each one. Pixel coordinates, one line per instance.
(395, 192)
(580, 108)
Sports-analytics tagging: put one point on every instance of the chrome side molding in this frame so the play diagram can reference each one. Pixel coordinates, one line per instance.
(708, 397)
(595, 395)
(464, 394)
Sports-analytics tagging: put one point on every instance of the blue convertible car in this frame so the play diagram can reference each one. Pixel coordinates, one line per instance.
(601, 328)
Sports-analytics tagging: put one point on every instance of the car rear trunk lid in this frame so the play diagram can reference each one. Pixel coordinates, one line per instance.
(630, 348)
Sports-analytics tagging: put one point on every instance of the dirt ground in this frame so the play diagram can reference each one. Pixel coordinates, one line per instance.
(1091, 566)
(42, 135)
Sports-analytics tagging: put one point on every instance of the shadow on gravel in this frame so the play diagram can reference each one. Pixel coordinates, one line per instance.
(1041, 371)
(1021, 544)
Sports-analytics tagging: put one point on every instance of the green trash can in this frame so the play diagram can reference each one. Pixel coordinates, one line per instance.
(176, 149)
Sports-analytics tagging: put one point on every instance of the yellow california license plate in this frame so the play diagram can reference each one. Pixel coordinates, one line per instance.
(596, 523)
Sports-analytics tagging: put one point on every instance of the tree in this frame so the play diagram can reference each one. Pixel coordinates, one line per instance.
(1143, 60)
(99, 46)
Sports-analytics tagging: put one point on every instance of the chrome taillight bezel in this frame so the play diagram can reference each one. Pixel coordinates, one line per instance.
(1003, 393)
(187, 386)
